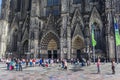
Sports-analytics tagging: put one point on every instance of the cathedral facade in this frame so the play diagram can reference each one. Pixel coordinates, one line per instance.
(59, 28)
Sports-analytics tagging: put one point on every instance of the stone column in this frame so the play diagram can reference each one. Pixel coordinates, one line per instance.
(4, 37)
(69, 41)
(31, 37)
(34, 36)
(19, 49)
(34, 28)
(63, 40)
(110, 46)
(36, 39)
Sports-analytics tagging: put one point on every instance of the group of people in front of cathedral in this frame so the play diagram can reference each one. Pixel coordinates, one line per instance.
(17, 64)
(14, 64)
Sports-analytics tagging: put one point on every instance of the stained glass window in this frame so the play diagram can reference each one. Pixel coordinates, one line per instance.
(53, 7)
(53, 2)
(76, 1)
(56, 12)
(18, 5)
(49, 2)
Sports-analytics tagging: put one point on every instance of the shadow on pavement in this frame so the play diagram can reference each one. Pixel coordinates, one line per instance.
(75, 70)
(109, 74)
(93, 73)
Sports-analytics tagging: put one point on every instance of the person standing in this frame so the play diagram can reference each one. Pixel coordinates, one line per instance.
(27, 61)
(65, 64)
(113, 66)
(16, 64)
(8, 64)
(33, 61)
(98, 65)
(20, 65)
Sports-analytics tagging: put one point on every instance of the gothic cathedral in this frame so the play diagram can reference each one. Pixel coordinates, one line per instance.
(58, 28)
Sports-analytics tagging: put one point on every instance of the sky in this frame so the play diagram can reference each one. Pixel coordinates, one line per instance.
(0, 2)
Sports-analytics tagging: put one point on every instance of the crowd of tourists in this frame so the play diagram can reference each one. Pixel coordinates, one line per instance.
(14, 64)
(17, 64)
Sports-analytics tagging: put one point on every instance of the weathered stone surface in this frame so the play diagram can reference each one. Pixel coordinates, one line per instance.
(36, 23)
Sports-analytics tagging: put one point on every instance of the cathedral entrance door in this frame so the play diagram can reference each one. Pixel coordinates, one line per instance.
(77, 45)
(54, 54)
(49, 44)
(78, 54)
(52, 46)
(49, 54)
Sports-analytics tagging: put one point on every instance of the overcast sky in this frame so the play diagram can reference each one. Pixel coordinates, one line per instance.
(0, 2)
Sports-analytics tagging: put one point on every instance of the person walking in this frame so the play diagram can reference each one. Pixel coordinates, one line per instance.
(40, 62)
(20, 65)
(98, 65)
(63, 64)
(113, 66)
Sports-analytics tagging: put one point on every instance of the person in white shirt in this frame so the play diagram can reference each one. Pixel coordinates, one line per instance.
(65, 64)
(8, 63)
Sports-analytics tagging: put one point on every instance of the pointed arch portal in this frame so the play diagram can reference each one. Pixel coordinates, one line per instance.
(77, 46)
(96, 20)
(50, 45)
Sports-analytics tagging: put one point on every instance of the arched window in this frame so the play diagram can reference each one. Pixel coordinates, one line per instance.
(29, 5)
(97, 36)
(76, 1)
(14, 42)
(25, 46)
(97, 33)
(18, 5)
(53, 2)
(53, 7)
(49, 3)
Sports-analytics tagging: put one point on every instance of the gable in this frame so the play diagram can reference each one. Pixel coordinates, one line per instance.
(78, 31)
(77, 18)
(95, 17)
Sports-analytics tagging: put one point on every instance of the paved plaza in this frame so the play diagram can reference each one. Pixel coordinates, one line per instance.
(56, 73)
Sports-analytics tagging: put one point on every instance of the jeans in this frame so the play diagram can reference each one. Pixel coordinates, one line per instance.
(20, 67)
(16, 67)
(98, 69)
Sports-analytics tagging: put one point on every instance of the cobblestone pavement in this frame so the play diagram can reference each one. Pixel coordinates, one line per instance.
(56, 73)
